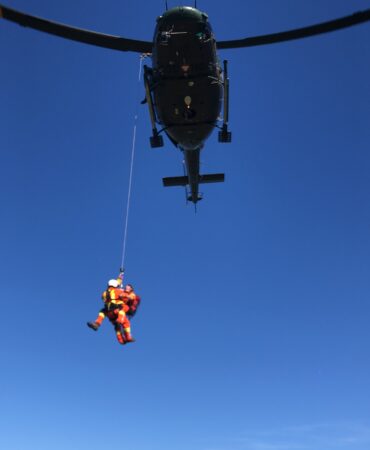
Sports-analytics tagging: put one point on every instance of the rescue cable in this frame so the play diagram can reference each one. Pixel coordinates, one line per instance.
(131, 164)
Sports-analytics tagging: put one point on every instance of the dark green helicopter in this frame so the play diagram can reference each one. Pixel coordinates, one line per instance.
(186, 86)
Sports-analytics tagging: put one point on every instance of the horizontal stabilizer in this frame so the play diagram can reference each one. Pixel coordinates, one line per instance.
(183, 181)
(175, 181)
(212, 178)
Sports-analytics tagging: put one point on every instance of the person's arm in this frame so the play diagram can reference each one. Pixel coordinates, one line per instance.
(120, 276)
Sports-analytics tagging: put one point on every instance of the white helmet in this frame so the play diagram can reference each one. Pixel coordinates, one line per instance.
(113, 283)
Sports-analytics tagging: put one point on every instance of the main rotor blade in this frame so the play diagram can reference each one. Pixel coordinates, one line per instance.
(75, 34)
(298, 33)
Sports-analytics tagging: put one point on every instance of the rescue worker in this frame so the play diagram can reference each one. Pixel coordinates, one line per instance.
(115, 309)
(133, 300)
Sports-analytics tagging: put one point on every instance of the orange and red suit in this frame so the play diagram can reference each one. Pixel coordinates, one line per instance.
(132, 300)
(115, 309)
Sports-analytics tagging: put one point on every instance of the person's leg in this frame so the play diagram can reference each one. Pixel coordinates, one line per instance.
(98, 321)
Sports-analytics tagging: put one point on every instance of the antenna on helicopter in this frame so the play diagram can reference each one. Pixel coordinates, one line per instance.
(195, 3)
(166, 6)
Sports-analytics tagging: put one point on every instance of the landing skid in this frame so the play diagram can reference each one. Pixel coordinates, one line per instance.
(224, 136)
(156, 140)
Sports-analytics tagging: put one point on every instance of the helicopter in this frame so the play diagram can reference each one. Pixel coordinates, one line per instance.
(186, 87)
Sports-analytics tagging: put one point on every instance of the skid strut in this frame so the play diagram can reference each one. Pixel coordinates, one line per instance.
(156, 140)
(225, 135)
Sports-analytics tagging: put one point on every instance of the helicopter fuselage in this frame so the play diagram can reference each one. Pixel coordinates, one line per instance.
(187, 83)
(185, 88)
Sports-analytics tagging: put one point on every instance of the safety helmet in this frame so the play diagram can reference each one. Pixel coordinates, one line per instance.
(113, 283)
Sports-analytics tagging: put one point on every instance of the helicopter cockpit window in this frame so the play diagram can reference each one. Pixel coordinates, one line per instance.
(164, 35)
(204, 33)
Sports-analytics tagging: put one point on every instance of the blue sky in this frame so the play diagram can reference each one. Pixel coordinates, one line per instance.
(253, 332)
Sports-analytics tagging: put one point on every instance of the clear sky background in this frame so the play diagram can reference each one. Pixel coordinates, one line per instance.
(254, 328)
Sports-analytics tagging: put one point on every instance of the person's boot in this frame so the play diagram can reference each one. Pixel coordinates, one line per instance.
(128, 335)
(93, 325)
(121, 339)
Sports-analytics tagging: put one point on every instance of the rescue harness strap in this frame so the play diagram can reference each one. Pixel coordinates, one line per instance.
(131, 165)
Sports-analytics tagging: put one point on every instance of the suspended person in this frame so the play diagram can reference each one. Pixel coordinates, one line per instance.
(115, 309)
(132, 301)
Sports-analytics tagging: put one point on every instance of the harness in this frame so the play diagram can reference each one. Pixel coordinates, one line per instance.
(110, 304)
